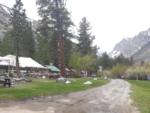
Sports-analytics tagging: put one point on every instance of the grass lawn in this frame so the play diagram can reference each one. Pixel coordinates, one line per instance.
(39, 87)
(141, 95)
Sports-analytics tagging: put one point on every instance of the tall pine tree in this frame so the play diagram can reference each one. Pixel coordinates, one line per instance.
(27, 46)
(85, 38)
(50, 27)
(7, 44)
(21, 32)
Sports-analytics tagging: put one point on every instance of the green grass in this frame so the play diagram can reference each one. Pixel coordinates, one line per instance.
(141, 95)
(39, 87)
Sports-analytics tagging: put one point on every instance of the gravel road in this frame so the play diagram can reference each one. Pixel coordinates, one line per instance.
(111, 98)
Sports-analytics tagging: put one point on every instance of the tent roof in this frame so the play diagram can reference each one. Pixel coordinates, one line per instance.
(53, 68)
(23, 62)
(4, 61)
(29, 62)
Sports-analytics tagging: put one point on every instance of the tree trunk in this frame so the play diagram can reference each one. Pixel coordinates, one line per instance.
(17, 59)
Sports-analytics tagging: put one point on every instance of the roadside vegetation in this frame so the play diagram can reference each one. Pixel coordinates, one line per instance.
(40, 87)
(137, 74)
(141, 95)
(121, 67)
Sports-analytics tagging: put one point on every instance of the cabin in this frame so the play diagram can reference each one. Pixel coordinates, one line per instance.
(54, 72)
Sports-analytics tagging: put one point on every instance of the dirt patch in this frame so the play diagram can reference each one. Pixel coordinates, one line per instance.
(111, 98)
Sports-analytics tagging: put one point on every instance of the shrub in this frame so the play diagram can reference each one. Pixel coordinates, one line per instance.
(138, 73)
(118, 70)
(106, 73)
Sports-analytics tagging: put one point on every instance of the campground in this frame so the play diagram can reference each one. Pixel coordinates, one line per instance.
(136, 95)
(110, 98)
(45, 87)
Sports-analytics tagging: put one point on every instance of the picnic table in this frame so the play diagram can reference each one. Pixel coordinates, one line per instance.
(6, 81)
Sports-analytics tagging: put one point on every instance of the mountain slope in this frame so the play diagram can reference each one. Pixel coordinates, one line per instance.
(130, 46)
(4, 22)
(143, 54)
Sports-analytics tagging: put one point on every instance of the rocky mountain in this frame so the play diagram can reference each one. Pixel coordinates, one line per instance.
(131, 46)
(143, 54)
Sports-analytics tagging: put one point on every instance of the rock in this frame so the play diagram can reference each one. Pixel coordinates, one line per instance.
(43, 77)
(61, 80)
(68, 82)
(87, 83)
(95, 79)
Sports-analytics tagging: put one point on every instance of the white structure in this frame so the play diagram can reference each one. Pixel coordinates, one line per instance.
(24, 62)
(29, 62)
(4, 61)
(11, 59)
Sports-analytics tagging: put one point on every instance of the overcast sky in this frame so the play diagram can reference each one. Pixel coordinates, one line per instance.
(111, 20)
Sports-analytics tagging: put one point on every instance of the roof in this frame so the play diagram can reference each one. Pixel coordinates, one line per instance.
(11, 59)
(29, 62)
(4, 61)
(23, 62)
(53, 68)
(67, 69)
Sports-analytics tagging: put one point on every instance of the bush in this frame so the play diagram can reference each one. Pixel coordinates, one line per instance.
(138, 73)
(106, 73)
(118, 70)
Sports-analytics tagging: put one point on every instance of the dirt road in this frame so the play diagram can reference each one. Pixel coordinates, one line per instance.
(110, 98)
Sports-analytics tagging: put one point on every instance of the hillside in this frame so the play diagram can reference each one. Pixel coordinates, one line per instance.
(4, 22)
(129, 46)
(143, 54)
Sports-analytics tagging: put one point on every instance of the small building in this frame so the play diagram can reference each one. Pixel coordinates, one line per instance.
(54, 72)
(67, 72)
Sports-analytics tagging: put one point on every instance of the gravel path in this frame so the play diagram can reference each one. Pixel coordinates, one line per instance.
(110, 98)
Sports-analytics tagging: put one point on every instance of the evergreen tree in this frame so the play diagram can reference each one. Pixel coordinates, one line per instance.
(105, 61)
(19, 39)
(43, 33)
(122, 60)
(27, 43)
(85, 38)
(20, 31)
(55, 21)
(7, 44)
(42, 53)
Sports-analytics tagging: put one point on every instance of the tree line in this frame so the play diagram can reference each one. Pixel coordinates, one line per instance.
(42, 43)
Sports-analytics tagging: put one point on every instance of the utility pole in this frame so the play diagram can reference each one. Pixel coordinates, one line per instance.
(60, 5)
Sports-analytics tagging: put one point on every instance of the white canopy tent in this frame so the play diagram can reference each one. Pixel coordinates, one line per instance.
(29, 62)
(24, 62)
(4, 61)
